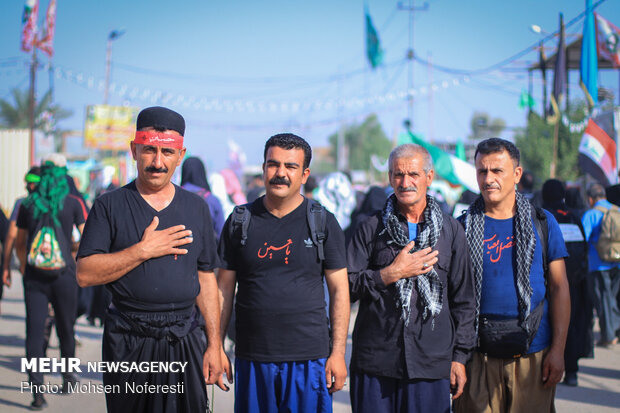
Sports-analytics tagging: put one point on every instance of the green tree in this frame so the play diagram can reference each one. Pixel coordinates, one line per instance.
(536, 145)
(16, 114)
(362, 141)
(483, 127)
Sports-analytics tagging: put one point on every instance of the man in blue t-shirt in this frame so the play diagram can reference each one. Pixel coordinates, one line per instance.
(604, 275)
(507, 260)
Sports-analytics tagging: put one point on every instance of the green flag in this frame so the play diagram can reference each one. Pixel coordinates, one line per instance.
(449, 167)
(526, 100)
(373, 46)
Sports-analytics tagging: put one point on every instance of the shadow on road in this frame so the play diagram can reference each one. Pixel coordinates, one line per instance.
(12, 341)
(13, 404)
(600, 372)
(593, 397)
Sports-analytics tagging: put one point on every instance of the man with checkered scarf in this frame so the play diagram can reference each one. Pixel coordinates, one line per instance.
(410, 270)
(509, 261)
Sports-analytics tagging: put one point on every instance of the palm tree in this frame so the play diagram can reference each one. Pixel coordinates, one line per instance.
(16, 115)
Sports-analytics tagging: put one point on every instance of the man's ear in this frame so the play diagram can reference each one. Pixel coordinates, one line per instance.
(133, 148)
(181, 156)
(304, 177)
(518, 174)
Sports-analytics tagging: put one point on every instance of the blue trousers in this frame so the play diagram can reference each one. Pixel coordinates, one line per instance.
(373, 394)
(287, 387)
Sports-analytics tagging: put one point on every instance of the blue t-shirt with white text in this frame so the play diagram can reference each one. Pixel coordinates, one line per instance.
(499, 292)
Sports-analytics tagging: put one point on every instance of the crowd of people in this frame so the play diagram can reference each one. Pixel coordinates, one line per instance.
(484, 311)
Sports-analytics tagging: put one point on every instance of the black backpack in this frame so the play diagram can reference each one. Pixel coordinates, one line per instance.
(316, 217)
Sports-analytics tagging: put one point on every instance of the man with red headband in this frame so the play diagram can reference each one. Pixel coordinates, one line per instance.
(152, 244)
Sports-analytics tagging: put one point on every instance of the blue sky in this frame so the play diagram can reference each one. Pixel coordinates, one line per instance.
(244, 70)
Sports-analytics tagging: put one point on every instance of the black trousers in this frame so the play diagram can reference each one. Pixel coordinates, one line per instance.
(62, 293)
(155, 336)
(580, 338)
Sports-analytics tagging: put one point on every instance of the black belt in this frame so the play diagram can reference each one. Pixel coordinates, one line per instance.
(173, 325)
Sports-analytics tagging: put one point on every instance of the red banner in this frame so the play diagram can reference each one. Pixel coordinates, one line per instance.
(46, 44)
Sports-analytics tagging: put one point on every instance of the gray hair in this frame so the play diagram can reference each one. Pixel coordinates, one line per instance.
(408, 150)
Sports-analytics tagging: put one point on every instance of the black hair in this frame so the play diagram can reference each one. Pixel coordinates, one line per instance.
(310, 184)
(596, 191)
(527, 181)
(289, 141)
(494, 145)
(35, 170)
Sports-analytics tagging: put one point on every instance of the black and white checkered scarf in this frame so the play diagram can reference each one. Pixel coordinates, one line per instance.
(525, 244)
(428, 285)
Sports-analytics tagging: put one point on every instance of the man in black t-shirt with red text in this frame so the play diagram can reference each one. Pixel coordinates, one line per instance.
(152, 244)
(283, 357)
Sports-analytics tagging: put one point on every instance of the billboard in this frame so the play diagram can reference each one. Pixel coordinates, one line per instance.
(109, 127)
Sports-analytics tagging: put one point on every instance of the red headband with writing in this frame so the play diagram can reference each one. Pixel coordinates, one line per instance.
(169, 140)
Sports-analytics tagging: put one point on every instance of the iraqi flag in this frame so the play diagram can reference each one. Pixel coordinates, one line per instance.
(598, 150)
(29, 24)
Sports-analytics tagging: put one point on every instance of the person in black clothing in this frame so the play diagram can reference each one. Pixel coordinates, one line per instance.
(4, 228)
(194, 179)
(284, 360)
(409, 267)
(152, 244)
(580, 338)
(51, 203)
(373, 201)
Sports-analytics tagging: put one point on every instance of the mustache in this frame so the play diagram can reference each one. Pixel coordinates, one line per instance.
(152, 169)
(491, 186)
(407, 189)
(279, 180)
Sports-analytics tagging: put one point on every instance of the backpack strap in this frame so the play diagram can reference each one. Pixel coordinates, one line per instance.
(316, 215)
(240, 219)
(542, 227)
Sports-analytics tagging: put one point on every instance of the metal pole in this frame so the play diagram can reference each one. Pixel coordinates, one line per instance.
(410, 56)
(554, 155)
(341, 155)
(108, 58)
(31, 102)
(431, 109)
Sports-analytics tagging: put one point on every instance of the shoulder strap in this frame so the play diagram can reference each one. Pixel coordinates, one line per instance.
(601, 209)
(240, 219)
(317, 222)
(542, 227)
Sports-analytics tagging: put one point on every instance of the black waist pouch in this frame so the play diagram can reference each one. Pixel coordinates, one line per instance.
(508, 338)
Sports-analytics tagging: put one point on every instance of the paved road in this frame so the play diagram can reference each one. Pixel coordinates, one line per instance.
(598, 391)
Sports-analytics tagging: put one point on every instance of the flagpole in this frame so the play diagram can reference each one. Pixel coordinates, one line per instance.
(554, 155)
(33, 70)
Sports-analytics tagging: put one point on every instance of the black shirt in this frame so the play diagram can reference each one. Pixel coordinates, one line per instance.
(382, 344)
(280, 304)
(71, 214)
(118, 220)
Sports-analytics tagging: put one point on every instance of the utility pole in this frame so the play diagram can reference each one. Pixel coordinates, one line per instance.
(431, 109)
(31, 102)
(410, 7)
(114, 34)
(341, 147)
